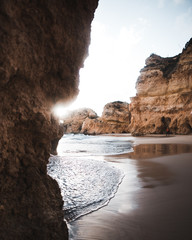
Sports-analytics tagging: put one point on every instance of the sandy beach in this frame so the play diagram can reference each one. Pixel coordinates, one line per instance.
(154, 200)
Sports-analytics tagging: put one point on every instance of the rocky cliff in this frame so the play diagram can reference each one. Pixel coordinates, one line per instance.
(163, 101)
(164, 95)
(73, 122)
(115, 119)
(43, 45)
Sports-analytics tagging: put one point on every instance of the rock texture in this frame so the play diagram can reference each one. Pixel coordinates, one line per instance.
(43, 45)
(164, 95)
(163, 101)
(73, 122)
(116, 112)
(115, 119)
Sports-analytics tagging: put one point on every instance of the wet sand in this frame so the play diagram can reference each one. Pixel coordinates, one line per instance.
(154, 201)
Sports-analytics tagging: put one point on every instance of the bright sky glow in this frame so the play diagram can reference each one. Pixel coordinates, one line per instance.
(124, 33)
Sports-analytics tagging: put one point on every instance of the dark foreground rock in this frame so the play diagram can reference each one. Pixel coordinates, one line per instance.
(43, 45)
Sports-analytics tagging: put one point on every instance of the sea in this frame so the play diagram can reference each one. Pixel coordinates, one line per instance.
(114, 188)
(86, 180)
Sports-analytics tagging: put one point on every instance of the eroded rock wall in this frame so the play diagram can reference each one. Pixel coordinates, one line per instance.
(43, 45)
(114, 119)
(164, 95)
(73, 122)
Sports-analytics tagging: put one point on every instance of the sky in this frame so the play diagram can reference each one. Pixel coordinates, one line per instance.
(123, 34)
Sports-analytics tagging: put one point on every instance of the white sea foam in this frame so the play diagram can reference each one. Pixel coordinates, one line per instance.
(86, 183)
(84, 145)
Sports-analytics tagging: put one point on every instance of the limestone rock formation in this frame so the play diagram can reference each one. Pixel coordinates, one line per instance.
(43, 45)
(73, 122)
(115, 119)
(163, 100)
(164, 95)
(116, 112)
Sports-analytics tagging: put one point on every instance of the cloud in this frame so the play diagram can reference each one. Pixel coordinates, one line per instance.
(178, 1)
(184, 20)
(161, 3)
(110, 72)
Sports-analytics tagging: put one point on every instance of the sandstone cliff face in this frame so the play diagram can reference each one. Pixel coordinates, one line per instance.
(74, 121)
(164, 95)
(163, 100)
(115, 119)
(116, 112)
(43, 45)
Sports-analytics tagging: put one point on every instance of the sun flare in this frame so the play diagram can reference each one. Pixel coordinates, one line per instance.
(60, 110)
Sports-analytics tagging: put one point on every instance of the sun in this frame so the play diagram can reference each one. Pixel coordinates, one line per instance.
(60, 110)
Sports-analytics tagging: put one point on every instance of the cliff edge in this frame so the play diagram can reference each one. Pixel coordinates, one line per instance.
(164, 95)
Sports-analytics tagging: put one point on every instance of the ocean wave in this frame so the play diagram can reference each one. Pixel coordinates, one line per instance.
(86, 184)
(85, 145)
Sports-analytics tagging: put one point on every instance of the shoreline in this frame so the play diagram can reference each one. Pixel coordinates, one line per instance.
(154, 200)
(156, 138)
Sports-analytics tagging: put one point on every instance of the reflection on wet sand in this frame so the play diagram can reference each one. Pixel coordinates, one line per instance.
(154, 201)
(153, 173)
(146, 151)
